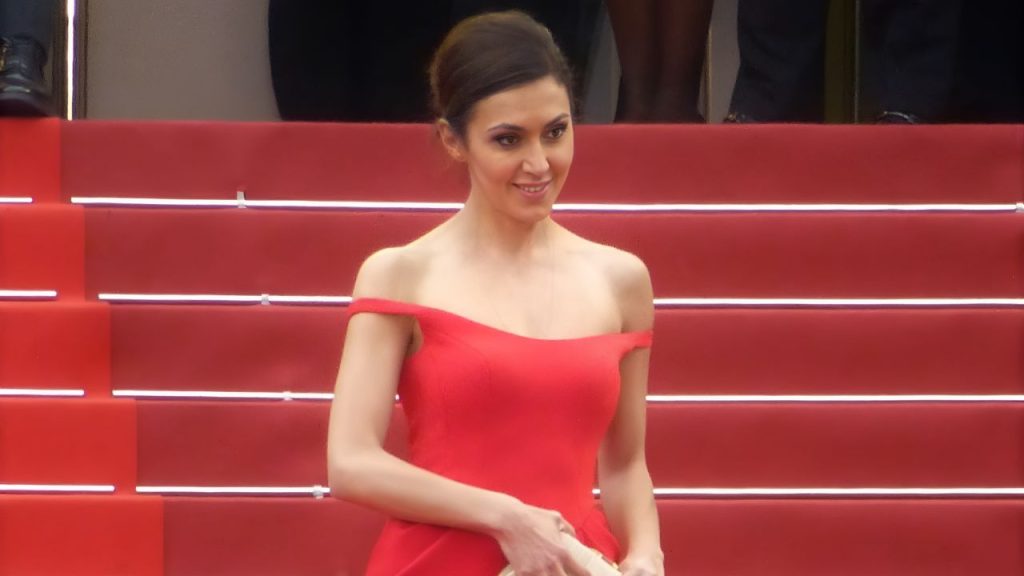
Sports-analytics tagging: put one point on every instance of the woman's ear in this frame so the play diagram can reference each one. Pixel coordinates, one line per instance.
(451, 141)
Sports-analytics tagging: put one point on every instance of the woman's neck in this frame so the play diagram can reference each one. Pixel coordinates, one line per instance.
(493, 234)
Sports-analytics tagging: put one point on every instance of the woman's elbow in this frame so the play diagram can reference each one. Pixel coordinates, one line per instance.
(343, 477)
(346, 477)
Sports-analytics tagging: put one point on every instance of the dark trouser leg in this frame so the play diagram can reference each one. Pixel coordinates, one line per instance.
(781, 76)
(571, 22)
(26, 27)
(918, 54)
(31, 19)
(310, 59)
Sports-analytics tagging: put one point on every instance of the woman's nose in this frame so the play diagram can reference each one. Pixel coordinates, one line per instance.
(536, 160)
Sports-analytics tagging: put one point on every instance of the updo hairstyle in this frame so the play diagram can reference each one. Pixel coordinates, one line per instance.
(489, 53)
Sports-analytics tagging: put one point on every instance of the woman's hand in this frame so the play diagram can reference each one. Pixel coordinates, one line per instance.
(531, 539)
(649, 565)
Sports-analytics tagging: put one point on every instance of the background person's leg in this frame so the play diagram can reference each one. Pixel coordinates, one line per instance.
(634, 26)
(781, 75)
(918, 54)
(682, 35)
(26, 27)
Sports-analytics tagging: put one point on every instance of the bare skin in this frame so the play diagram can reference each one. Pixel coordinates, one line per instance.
(501, 261)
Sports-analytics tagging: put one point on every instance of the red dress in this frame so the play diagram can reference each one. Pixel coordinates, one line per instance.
(510, 413)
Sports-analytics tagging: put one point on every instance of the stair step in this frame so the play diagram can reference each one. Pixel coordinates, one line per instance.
(671, 163)
(55, 345)
(776, 445)
(689, 255)
(697, 351)
(61, 441)
(713, 537)
(41, 248)
(82, 535)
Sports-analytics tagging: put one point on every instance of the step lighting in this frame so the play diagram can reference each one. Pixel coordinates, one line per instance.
(658, 302)
(242, 202)
(652, 398)
(73, 488)
(71, 393)
(28, 294)
(15, 200)
(321, 491)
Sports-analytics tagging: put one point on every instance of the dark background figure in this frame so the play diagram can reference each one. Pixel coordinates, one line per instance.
(662, 45)
(349, 60)
(26, 33)
(989, 83)
(573, 24)
(781, 75)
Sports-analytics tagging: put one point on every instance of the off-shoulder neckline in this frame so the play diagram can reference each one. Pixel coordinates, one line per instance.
(495, 329)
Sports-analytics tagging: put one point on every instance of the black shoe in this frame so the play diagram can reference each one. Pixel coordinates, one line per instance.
(22, 89)
(738, 118)
(893, 117)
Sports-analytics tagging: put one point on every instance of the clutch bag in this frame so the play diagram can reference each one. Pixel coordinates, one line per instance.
(590, 559)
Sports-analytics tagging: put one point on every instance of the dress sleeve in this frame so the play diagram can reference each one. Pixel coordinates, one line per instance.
(642, 339)
(381, 306)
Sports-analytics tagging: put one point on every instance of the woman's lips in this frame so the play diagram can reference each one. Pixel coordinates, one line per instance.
(534, 190)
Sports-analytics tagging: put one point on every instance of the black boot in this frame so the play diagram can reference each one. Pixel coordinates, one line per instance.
(22, 89)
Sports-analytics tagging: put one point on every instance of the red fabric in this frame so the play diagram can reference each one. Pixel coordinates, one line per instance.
(619, 163)
(472, 392)
(55, 345)
(30, 158)
(81, 535)
(267, 536)
(42, 248)
(700, 255)
(68, 441)
(916, 445)
(843, 537)
(246, 348)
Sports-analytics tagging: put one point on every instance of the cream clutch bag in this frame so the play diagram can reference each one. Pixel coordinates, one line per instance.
(590, 559)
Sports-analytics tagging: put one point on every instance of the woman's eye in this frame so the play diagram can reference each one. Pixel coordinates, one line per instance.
(506, 140)
(557, 132)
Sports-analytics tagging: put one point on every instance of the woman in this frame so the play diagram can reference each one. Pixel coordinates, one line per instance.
(520, 350)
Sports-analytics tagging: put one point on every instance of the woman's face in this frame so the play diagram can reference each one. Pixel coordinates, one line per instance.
(518, 148)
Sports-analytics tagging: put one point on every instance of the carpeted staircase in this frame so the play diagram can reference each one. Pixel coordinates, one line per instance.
(837, 381)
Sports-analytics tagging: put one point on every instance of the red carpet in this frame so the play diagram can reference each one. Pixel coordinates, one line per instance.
(823, 442)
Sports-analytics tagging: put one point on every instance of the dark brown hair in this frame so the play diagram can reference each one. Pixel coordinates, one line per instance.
(489, 53)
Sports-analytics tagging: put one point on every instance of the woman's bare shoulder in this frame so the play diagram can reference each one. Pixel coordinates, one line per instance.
(395, 272)
(390, 273)
(623, 269)
(628, 279)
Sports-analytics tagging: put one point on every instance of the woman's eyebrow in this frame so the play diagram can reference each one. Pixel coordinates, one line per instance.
(514, 127)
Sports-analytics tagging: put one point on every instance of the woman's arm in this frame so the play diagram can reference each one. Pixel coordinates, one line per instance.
(626, 489)
(360, 470)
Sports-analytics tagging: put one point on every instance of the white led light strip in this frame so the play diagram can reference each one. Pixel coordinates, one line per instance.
(28, 294)
(15, 200)
(44, 392)
(890, 398)
(321, 491)
(653, 398)
(221, 395)
(235, 490)
(659, 302)
(840, 492)
(222, 299)
(242, 202)
(832, 302)
(49, 488)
